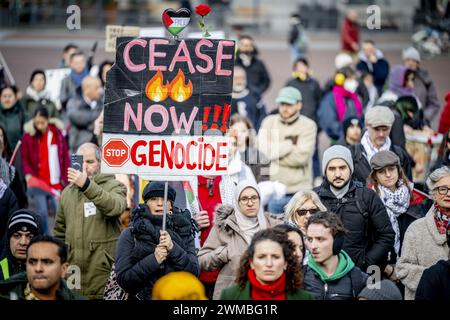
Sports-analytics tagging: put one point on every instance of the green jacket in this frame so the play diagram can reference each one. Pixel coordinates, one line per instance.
(91, 234)
(15, 286)
(236, 293)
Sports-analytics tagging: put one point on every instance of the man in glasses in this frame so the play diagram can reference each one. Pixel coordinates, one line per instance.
(370, 235)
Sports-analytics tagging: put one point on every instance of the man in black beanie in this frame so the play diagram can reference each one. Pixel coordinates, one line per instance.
(23, 225)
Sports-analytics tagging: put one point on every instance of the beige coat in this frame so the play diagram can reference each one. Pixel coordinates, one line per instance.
(291, 163)
(224, 247)
(423, 246)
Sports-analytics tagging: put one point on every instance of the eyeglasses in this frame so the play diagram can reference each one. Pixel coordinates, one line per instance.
(303, 212)
(245, 200)
(442, 190)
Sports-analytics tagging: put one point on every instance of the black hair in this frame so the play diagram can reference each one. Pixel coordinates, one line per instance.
(10, 86)
(41, 111)
(7, 152)
(302, 60)
(286, 227)
(101, 67)
(35, 72)
(62, 248)
(70, 46)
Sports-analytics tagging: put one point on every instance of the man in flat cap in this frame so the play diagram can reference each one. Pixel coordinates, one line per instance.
(378, 122)
(23, 225)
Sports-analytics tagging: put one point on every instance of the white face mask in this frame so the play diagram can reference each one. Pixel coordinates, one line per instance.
(351, 85)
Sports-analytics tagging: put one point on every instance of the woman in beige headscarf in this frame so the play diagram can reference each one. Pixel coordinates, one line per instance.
(231, 234)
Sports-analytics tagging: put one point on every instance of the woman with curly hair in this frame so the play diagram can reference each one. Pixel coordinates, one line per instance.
(269, 270)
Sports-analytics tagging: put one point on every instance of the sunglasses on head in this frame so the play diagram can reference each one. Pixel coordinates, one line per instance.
(303, 212)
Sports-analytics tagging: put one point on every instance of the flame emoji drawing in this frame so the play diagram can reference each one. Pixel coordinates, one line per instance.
(180, 92)
(155, 89)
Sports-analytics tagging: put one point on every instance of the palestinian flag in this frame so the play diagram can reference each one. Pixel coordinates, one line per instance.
(175, 22)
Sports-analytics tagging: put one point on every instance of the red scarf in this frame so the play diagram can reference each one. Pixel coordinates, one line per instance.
(340, 94)
(273, 291)
(441, 219)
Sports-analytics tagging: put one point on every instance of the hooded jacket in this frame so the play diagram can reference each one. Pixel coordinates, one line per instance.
(370, 235)
(257, 74)
(12, 120)
(425, 91)
(379, 70)
(34, 100)
(30, 149)
(226, 242)
(15, 286)
(291, 163)
(311, 95)
(345, 284)
(136, 266)
(423, 246)
(82, 118)
(88, 222)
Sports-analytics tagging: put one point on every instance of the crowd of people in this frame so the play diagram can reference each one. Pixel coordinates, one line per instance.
(366, 219)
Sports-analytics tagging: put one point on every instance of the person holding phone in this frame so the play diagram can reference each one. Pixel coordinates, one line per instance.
(45, 159)
(87, 220)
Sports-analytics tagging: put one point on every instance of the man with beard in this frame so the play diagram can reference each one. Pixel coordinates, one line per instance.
(23, 225)
(245, 100)
(87, 220)
(288, 139)
(44, 279)
(246, 57)
(370, 235)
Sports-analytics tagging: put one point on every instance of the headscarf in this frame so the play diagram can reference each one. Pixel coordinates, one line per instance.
(397, 80)
(248, 226)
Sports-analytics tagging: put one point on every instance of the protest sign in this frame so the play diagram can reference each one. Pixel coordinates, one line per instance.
(54, 78)
(112, 32)
(167, 107)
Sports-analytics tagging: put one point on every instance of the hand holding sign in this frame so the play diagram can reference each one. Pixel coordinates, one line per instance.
(202, 219)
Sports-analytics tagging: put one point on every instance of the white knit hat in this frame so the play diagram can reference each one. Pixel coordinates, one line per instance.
(411, 53)
(342, 60)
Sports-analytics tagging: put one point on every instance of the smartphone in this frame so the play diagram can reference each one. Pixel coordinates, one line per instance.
(76, 162)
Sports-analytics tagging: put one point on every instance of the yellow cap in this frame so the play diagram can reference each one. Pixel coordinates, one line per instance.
(179, 285)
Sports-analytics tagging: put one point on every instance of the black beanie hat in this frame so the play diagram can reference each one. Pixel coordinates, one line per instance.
(23, 220)
(348, 122)
(156, 189)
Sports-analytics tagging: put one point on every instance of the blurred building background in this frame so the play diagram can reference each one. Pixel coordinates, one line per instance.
(263, 16)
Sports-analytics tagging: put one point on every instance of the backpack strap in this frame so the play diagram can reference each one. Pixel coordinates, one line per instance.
(357, 282)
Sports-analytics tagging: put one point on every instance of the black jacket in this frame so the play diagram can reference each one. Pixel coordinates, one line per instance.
(362, 166)
(435, 283)
(311, 96)
(257, 74)
(8, 204)
(345, 288)
(370, 235)
(136, 266)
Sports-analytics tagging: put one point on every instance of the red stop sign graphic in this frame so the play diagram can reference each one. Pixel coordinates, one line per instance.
(116, 152)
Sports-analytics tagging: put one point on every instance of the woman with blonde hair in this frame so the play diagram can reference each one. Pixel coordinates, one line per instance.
(302, 205)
